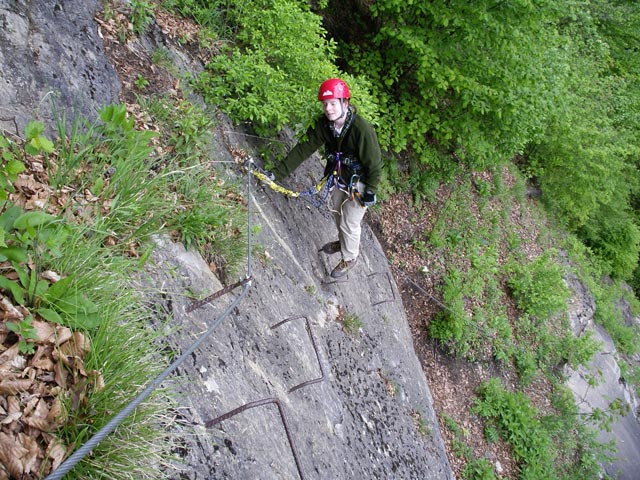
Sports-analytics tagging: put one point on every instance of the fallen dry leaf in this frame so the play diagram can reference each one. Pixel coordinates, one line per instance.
(44, 330)
(131, 251)
(90, 197)
(56, 451)
(11, 453)
(55, 415)
(98, 380)
(13, 404)
(37, 202)
(42, 358)
(9, 309)
(110, 241)
(31, 459)
(39, 417)
(30, 405)
(62, 334)
(28, 185)
(8, 355)
(78, 346)
(12, 386)
(50, 276)
(79, 396)
(60, 375)
(11, 417)
(19, 362)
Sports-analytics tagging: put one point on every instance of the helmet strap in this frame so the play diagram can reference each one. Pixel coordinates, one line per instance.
(342, 109)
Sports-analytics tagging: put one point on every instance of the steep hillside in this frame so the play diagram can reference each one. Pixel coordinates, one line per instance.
(308, 377)
(326, 369)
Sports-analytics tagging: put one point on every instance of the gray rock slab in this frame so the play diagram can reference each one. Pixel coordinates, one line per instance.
(53, 63)
(306, 399)
(624, 430)
(599, 383)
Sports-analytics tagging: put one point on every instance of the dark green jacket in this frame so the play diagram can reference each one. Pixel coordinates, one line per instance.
(358, 140)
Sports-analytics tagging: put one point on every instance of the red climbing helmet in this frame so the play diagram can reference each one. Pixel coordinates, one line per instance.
(333, 88)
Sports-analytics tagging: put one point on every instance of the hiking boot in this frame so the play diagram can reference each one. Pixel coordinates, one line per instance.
(331, 247)
(342, 268)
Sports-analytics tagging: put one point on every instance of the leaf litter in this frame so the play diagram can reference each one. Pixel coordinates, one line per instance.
(38, 392)
(43, 382)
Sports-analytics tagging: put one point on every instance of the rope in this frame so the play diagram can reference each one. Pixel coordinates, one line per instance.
(316, 195)
(273, 185)
(79, 454)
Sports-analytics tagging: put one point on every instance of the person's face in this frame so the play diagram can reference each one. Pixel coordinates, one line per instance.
(332, 109)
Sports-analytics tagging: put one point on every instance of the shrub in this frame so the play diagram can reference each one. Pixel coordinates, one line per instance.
(453, 72)
(609, 314)
(271, 73)
(450, 324)
(614, 236)
(518, 423)
(538, 287)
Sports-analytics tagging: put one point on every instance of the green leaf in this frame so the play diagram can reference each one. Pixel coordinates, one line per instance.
(8, 217)
(14, 167)
(54, 238)
(13, 326)
(88, 321)
(33, 129)
(50, 315)
(97, 187)
(30, 149)
(33, 285)
(33, 219)
(58, 290)
(26, 348)
(77, 309)
(15, 254)
(16, 290)
(77, 304)
(42, 144)
(23, 275)
(81, 311)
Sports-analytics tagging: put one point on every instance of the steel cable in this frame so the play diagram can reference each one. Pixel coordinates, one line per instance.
(79, 454)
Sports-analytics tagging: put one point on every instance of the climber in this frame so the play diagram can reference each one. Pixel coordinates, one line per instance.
(353, 159)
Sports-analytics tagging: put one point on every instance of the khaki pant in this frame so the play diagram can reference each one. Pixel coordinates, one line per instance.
(348, 217)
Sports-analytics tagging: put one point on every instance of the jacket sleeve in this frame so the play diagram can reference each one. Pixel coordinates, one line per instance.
(301, 151)
(370, 156)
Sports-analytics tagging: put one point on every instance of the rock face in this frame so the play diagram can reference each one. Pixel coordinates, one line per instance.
(305, 398)
(610, 386)
(52, 63)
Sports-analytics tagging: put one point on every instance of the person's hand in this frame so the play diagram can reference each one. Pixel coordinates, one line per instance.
(369, 199)
(269, 174)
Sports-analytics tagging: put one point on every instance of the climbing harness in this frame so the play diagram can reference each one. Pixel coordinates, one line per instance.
(352, 167)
